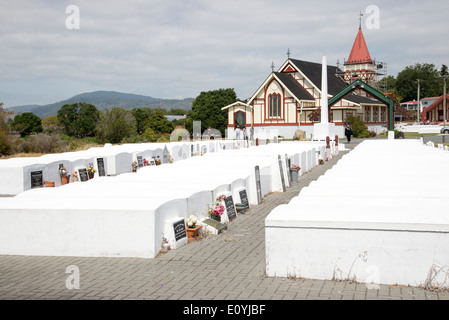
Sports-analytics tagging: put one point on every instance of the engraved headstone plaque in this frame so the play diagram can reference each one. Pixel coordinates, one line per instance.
(179, 228)
(287, 166)
(36, 179)
(84, 176)
(230, 208)
(281, 171)
(244, 198)
(258, 185)
(101, 170)
(139, 161)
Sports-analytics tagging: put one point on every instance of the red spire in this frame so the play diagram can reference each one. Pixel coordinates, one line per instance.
(359, 52)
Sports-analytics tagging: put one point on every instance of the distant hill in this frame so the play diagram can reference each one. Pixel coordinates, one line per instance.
(107, 100)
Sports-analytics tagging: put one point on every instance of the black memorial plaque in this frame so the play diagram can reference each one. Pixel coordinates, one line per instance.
(281, 171)
(83, 174)
(100, 164)
(139, 161)
(258, 185)
(179, 228)
(36, 179)
(230, 208)
(244, 198)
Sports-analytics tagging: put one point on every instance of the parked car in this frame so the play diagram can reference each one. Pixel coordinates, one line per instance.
(444, 130)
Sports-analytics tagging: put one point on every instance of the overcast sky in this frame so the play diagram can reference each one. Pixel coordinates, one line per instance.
(179, 48)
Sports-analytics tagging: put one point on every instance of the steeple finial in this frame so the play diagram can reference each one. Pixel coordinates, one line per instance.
(288, 53)
(272, 66)
(360, 20)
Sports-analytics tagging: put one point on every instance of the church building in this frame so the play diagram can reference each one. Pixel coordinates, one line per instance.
(289, 99)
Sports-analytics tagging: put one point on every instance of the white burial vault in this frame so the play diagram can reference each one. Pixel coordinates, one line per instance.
(378, 216)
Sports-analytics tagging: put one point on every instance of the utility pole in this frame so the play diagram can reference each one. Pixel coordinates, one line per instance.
(418, 107)
(444, 101)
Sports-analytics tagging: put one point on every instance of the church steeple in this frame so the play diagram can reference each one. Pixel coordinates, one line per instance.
(359, 53)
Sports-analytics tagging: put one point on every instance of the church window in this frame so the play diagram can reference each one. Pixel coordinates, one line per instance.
(274, 105)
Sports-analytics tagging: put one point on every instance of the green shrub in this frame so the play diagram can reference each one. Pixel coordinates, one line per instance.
(41, 143)
(5, 146)
(359, 129)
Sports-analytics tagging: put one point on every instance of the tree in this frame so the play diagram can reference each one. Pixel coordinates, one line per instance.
(159, 123)
(26, 124)
(406, 82)
(79, 119)
(444, 71)
(207, 109)
(141, 115)
(387, 84)
(116, 125)
(51, 124)
(5, 146)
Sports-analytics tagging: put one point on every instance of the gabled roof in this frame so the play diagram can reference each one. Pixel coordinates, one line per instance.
(359, 52)
(436, 103)
(294, 87)
(288, 83)
(312, 71)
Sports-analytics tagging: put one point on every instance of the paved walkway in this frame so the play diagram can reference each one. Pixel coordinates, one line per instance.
(229, 266)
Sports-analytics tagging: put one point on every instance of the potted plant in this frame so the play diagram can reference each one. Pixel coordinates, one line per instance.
(91, 170)
(65, 175)
(217, 211)
(193, 227)
(294, 172)
(134, 164)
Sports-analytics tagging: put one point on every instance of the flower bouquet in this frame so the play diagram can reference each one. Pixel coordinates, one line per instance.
(217, 211)
(192, 228)
(296, 167)
(65, 175)
(157, 160)
(91, 170)
(134, 164)
(192, 221)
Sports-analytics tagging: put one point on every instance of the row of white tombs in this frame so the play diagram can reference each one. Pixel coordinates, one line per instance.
(378, 216)
(138, 196)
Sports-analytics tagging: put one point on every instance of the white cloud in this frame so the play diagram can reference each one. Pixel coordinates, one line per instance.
(176, 48)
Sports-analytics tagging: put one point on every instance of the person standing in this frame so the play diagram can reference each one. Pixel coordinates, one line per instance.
(348, 132)
(237, 132)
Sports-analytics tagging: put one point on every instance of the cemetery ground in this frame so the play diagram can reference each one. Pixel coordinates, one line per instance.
(228, 266)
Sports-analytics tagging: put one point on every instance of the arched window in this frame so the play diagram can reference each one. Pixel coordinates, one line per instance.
(274, 105)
